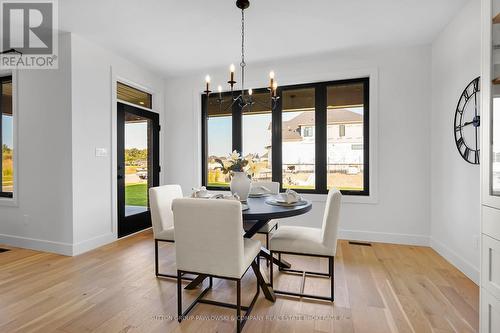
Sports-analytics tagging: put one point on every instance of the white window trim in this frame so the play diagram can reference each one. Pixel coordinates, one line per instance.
(371, 73)
(13, 202)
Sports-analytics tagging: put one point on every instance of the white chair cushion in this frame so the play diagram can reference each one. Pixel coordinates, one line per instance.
(209, 237)
(265, 229)
(299, 240)
(167, 234)
(251, 248)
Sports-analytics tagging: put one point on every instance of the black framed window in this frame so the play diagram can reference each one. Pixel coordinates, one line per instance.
(6, 138)
(317, 137)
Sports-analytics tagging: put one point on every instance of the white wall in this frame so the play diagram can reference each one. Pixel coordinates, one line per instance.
(41, 219)
(94, 72)
(401, 209)
(67, 196)
(455, 196)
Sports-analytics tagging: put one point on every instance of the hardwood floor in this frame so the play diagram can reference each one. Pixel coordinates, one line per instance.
(383, 288)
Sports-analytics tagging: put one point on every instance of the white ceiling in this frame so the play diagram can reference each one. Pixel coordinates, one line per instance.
(175, 36)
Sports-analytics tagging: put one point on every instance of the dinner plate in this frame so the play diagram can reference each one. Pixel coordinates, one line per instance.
(280, 199)
(258, 195)
(275, 202)
(244, 207)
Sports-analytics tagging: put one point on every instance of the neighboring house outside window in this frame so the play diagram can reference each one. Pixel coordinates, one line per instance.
(345, 137)
(342, 130)
(307, 131)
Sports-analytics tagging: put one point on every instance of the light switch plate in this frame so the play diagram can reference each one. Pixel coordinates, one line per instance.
(101, 152)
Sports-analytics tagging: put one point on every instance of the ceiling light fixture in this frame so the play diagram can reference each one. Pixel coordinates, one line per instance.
(244, 99)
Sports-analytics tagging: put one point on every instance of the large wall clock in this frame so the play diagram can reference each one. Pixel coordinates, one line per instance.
(467, 122)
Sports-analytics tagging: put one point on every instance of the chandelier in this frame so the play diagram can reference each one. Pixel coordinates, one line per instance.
(244, 98)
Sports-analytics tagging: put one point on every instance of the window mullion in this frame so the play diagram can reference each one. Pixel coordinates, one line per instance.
(276, 141)
(237, 125)
(204, 138)
(320, 138)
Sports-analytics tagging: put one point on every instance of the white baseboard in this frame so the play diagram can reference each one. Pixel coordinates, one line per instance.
(456, 260)
(383, 237)
(93, 243)
(37, 244)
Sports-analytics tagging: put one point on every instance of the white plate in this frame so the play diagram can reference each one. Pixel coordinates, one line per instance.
(280, 199)
(274, 202)
(258, 195)
(244, 207)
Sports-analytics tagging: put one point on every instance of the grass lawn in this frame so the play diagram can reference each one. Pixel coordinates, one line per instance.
(136, 194)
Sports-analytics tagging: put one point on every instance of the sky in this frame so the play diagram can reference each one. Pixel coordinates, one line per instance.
(7, 131)
(256, 135)
(136, 135)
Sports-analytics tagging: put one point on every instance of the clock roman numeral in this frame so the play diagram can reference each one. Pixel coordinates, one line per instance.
(466, 94)
(460, 143)
(476, 157)
(466, 153)
(476, 85)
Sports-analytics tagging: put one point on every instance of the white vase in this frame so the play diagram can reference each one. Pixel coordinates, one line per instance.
(240, 184)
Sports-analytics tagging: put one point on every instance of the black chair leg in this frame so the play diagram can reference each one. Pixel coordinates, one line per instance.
(238, 305)
(179, 297)
(304, 274)
(156, 257)
(330, 270)
(267, 247)
(271, 269)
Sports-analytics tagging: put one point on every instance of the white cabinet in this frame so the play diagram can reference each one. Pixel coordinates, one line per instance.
(490, 313)
(490, 167)
(490, 265)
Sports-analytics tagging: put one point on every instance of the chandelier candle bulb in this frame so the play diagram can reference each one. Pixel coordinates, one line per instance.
(219, 89)
(232, 69)
(250, 91)
(274, 87)
(207, 80)
(271, 76)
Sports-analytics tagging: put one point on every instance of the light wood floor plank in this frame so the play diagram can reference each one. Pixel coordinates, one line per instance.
(382, 288)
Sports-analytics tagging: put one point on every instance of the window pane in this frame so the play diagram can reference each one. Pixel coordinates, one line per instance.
(345, 136)
(133, 95)
(137, 163)
(298, 147)
(219, 138)
(256, 133)
(7, 137)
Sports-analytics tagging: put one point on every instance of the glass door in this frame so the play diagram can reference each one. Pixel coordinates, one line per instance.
(138, 166)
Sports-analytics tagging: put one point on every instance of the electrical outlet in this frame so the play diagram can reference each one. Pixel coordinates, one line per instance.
(26, 219)
(101, 152)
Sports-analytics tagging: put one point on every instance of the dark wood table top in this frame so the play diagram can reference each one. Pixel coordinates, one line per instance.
(260, 210)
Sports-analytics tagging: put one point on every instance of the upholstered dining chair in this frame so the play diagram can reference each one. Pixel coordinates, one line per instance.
(209, 241)
(312, 242)
(162, 218)
(274, 188)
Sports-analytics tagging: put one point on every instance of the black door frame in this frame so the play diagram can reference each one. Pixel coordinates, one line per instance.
(137, 222)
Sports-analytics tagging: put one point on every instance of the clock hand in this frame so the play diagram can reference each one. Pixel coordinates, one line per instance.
(467, 123)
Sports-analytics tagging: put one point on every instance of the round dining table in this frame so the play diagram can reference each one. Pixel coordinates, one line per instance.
(260, 212)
